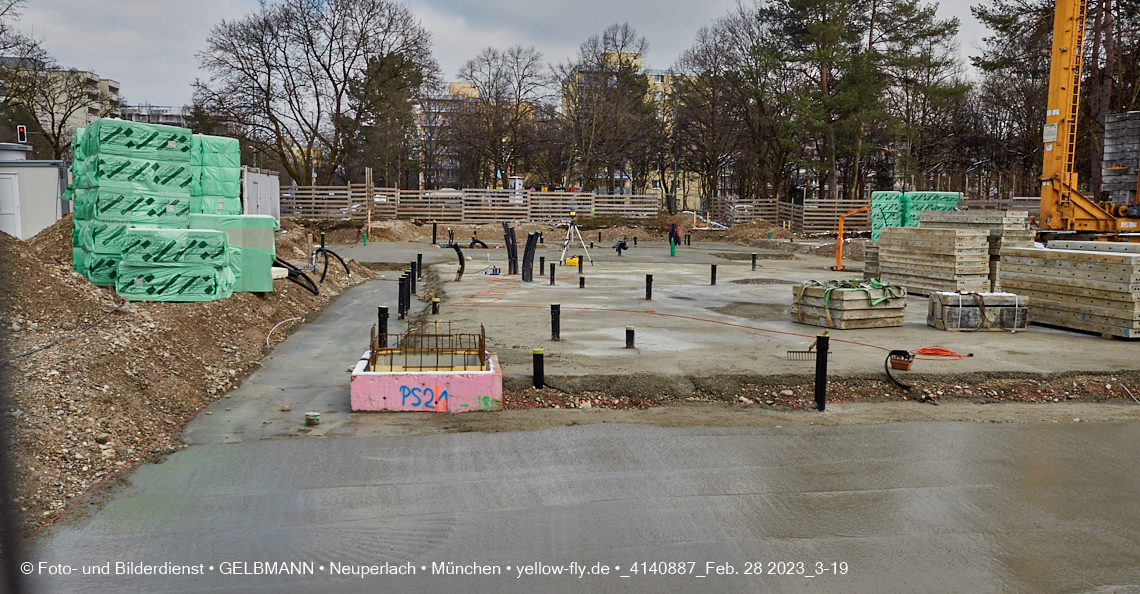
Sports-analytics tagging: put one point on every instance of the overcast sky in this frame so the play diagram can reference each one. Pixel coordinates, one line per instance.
(149, 45)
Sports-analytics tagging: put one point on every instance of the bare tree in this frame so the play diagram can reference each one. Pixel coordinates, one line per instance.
(63, 101)
(499, 127)
(286, 75)
(602, 95)
(23, 58)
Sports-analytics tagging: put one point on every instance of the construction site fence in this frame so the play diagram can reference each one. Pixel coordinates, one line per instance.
(352, 202)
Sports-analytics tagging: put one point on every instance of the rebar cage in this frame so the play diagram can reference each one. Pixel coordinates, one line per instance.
(439, 349)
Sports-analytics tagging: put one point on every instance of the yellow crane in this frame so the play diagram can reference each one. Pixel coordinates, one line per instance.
(1063, 208)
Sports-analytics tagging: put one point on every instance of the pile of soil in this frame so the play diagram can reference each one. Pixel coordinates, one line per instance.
(86, 407)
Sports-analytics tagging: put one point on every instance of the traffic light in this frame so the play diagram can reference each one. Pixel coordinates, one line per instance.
(22, 134)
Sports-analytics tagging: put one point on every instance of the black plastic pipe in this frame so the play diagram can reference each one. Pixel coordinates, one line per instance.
(555, 324)
(539, 380)
(649, 287)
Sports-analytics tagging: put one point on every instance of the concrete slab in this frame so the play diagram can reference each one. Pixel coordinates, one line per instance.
(692, 332)
(907, 507)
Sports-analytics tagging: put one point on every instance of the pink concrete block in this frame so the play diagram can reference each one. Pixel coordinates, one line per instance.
(427, 391)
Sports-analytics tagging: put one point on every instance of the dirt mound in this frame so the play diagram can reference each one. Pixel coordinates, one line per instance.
(758, 229)
(87, 406)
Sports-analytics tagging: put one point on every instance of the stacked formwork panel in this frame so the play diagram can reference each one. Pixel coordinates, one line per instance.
(1005, 228)
(926, 260)
(1084, 290)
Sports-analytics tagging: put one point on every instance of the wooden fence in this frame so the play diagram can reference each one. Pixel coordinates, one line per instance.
(822, 216)
(473, 205)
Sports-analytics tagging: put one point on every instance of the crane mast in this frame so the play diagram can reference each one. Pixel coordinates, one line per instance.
(1062, 206)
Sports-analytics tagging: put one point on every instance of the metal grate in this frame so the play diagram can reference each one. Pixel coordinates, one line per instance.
(436, 349)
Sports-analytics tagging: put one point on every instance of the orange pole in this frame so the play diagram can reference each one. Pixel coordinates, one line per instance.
(839, 239)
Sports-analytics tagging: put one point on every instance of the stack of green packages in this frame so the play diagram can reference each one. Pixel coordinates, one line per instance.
(215, 162)
(175, 265)
(916, 202)
(125, 174)
(886, 211)
(251, 247)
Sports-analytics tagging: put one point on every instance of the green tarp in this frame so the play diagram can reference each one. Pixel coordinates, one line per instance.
(251, 268)
(252, 245)
(143, 246)
(135, 139)
(254, 231)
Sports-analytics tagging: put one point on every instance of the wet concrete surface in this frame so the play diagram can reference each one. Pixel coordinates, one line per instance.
(909, 507)
(684, 334)
(309, 372)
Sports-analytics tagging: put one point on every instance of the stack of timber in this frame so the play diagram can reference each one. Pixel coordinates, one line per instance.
(1006, 229)
(871, 260)
(1097, 291)
(974, 312)
(927, 260)
(847, 305)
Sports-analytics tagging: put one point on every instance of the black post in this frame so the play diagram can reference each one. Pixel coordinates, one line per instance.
(592, 244)
(581, 281)
(634, 241)
(540, 237)
(649, 287)
(629, 337)
(821, 371)
(435, 306)
(580, 263)
(382, 314)
(538, 375)
(714, 274)
(555, 326)
(434, 228)
(419, 265)
(552, 274)
(400, 306)
(541, 261)
(753, 261)
(412, 277)
(599, 238)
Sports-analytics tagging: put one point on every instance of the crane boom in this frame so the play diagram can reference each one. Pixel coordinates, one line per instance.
(1062, 206)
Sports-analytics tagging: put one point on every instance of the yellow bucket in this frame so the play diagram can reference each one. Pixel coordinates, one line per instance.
(572, 261)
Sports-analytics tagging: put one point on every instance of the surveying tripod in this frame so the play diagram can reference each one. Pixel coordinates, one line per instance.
(571, 231)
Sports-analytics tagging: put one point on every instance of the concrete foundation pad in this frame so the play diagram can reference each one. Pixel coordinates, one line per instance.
(427, 391)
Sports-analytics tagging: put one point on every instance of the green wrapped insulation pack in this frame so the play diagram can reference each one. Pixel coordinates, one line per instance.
(124, 204)
(252, 245)
(217, 205)
(146, 246)
(135, 139)
(181, 282)
(215, 151)
(129, 172)
(101, 237)
(101, 269)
